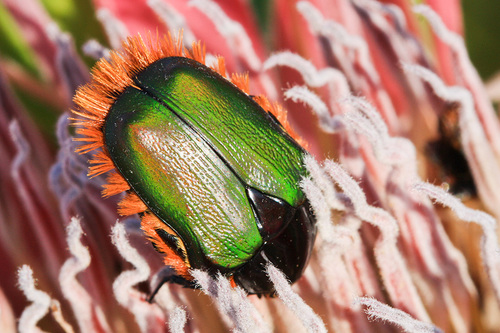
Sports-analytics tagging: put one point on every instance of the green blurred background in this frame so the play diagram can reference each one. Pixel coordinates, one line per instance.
(482, 34)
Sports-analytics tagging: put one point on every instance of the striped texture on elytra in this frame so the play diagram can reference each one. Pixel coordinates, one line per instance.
(212, 171)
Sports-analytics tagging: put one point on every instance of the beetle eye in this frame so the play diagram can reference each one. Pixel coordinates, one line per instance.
(273, 214)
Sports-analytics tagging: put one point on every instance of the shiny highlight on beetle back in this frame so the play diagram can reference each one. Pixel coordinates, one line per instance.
(159, 154)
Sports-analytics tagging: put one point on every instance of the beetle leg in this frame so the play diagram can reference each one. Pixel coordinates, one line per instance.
(167, 276)
(150, 224)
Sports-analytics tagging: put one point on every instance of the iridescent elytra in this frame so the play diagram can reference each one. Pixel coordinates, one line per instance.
(210, 169)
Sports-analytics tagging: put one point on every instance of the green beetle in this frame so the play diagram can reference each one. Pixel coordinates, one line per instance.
(217, 172)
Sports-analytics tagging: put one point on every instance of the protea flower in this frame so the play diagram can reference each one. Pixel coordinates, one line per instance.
(403, 149)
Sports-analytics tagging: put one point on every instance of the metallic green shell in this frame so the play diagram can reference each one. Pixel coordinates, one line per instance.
(190, 144)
